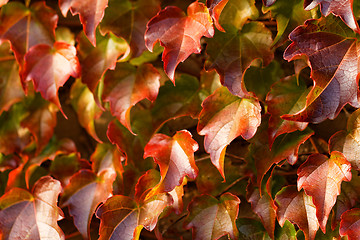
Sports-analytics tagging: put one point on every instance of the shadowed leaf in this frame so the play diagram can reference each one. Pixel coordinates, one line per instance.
(232, 52)
(349, 225)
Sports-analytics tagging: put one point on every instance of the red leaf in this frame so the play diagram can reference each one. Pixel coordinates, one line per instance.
(84, 193)
(268, 3)
(350, 224)
(122, 218)
(32, 216)
(128, 19)
(50, 67)
(91, 13)
(265, 208)
(96, 60)
(219, 216)
(334, 59)
(25, 27)
(326, 188)
(342, 8)
(231, 53)
(178, 33)
(298, 208)
(126, 86)
(215, 9)
(225, 117)
(175, 157)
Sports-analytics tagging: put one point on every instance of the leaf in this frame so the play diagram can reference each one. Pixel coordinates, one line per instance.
(251, 229)
(347, 141)
(334, 75)
(325, 189)
(83, 194)
(237, 12)
(175, 157)
(298, 208)
(231, 53)
(128, 19)
(225, 117)
(259, 79)
(285, 97)
(286, 146)
(10, 85)
(128, 85)
(91, 13)
(26, 27)
(349, 224)
(342, 8)
(13, 137)
(85, 106)
(50, 67)
(96, 60)
(288, 15)
(268, 3)
(3, 2)
(31, 216)
(107, 157)
(178, 33)
(215, 8)
(40, 121)
(265, 208)
(123, 218)
(220, 216)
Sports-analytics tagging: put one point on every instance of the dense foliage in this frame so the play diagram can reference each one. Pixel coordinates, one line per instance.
(149, 119)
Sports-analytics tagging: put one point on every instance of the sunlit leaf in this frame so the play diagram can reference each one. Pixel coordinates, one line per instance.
(123, 218)
(50, 67)
(220, 216)
(91, 13)
(347, 141)
(127, 85)
(225, 117)
(178, 33)
(333, 57)
(326, 188)
(298, 208)
(32, 216)
(84, 193)
(232, 52)
(128, 19)
(175, 157)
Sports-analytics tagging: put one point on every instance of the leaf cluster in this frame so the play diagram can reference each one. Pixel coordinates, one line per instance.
(155, 119)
